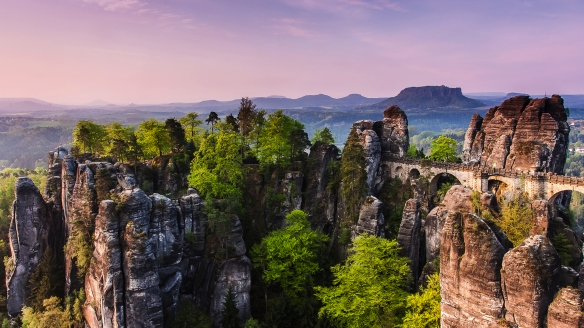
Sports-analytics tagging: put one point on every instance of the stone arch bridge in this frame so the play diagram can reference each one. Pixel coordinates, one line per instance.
(537, 185)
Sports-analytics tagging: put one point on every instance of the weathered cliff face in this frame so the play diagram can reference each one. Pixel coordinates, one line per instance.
(408, 237)
(529, 277)
(457, 199)
(388, 136)
(319, 199)
(522, 134)
(470, 261)
(566, 310)
(29, 231)
(104, 282)
(371, 219)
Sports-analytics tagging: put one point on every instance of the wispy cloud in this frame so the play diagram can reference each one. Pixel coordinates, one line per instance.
(292, 26)
(346, 5)
(117, 5)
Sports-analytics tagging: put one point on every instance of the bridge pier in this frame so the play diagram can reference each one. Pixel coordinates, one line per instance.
(484, 181)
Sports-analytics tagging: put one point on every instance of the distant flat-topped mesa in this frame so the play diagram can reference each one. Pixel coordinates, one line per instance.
(428, 97)
(520, 134)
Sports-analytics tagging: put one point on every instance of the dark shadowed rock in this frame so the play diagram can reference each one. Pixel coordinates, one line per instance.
(468, 155)
(529, 278)
(28, 241)
(470, 260)
(167, 241)
(409, 234)
(234, 273)
(104, 282)
(566, 310)
(371, 219)
(372, 147)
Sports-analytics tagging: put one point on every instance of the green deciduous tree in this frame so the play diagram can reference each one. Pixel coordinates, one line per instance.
(281, 140)
(153, 138)
(323, 135)
(424, 307)
(353, 176)
(443, 149)
(118, 140)
(232, 122)
(369, 290)
(288, 257)
(45, 281)
(192, 126)
(89, 137)
(230, 312)
(246, 116)
(414, 152)
(216, 170)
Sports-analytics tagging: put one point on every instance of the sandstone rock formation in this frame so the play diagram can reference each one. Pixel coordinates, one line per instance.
(457, 199)
(371, 219)
(409, 234)
(520, 134)
(470, 260)
(529, 277)
(566, 310)
(29, 231)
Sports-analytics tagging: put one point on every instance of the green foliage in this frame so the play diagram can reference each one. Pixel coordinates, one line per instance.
(289, 257)
(232, 123)
(516, 219)
(192, 127)
(216, 170)
(252, 323)
(191, 238)
(89, 137)
(53, 315)
(212, 119)
(562, 246)
(424, 307)
(230, 312)
(188, 316)
(323, 135)
(176, 134)
(246, 115)
(443, 149)
(104, 182)
(443, 189)
(117, 140)
(153, 138)
(369, 290)
(45, 281)
(414, 152)
(281, 140)
(353, 176)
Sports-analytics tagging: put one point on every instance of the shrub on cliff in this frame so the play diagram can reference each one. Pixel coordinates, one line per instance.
(424, 308)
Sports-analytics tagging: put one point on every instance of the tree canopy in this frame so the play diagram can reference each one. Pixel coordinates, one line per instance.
(443, 149)
(323, 135)
(370, 289)
(423, 309)
(282, 140)
(153, 137)
(89, 137)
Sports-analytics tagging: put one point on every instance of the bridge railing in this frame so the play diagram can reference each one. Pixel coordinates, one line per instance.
(482, 169)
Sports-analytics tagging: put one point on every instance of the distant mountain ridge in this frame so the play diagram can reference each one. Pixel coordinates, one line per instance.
(428, 97)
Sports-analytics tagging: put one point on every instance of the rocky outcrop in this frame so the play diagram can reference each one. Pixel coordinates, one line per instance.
(520, 134)
(319, 199)
(566, 310)
(530, 276)
(234, 273)
(541, 219)
(408, 237)
(371, 219)
(104, 282)
(393, 131)
(29, 231)
(457, 199)
(470, 260)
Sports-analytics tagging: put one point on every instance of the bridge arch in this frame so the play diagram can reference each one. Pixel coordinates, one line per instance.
(399, 172)
(414, 174)
(439, 179)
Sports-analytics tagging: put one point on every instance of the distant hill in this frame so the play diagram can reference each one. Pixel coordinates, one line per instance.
(428, 97)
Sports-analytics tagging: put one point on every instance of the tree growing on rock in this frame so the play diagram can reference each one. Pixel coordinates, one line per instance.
(212, 119)
(230, 312)
(89, 137)
(176, 134)
(192, 126)
(153, 138)
(323, 135)
(353, 176)
(281, 140)
(424, 307)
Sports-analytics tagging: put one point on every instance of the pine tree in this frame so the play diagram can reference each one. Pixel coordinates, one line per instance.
(353, 176)
(230, 313)
(213, 118)
(176, 133)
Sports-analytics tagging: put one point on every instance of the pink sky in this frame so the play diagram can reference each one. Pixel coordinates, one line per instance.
(124, 51)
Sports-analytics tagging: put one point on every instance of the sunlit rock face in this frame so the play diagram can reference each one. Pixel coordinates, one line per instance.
(520, 134)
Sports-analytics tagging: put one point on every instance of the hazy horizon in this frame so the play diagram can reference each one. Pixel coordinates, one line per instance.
(133, 51)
